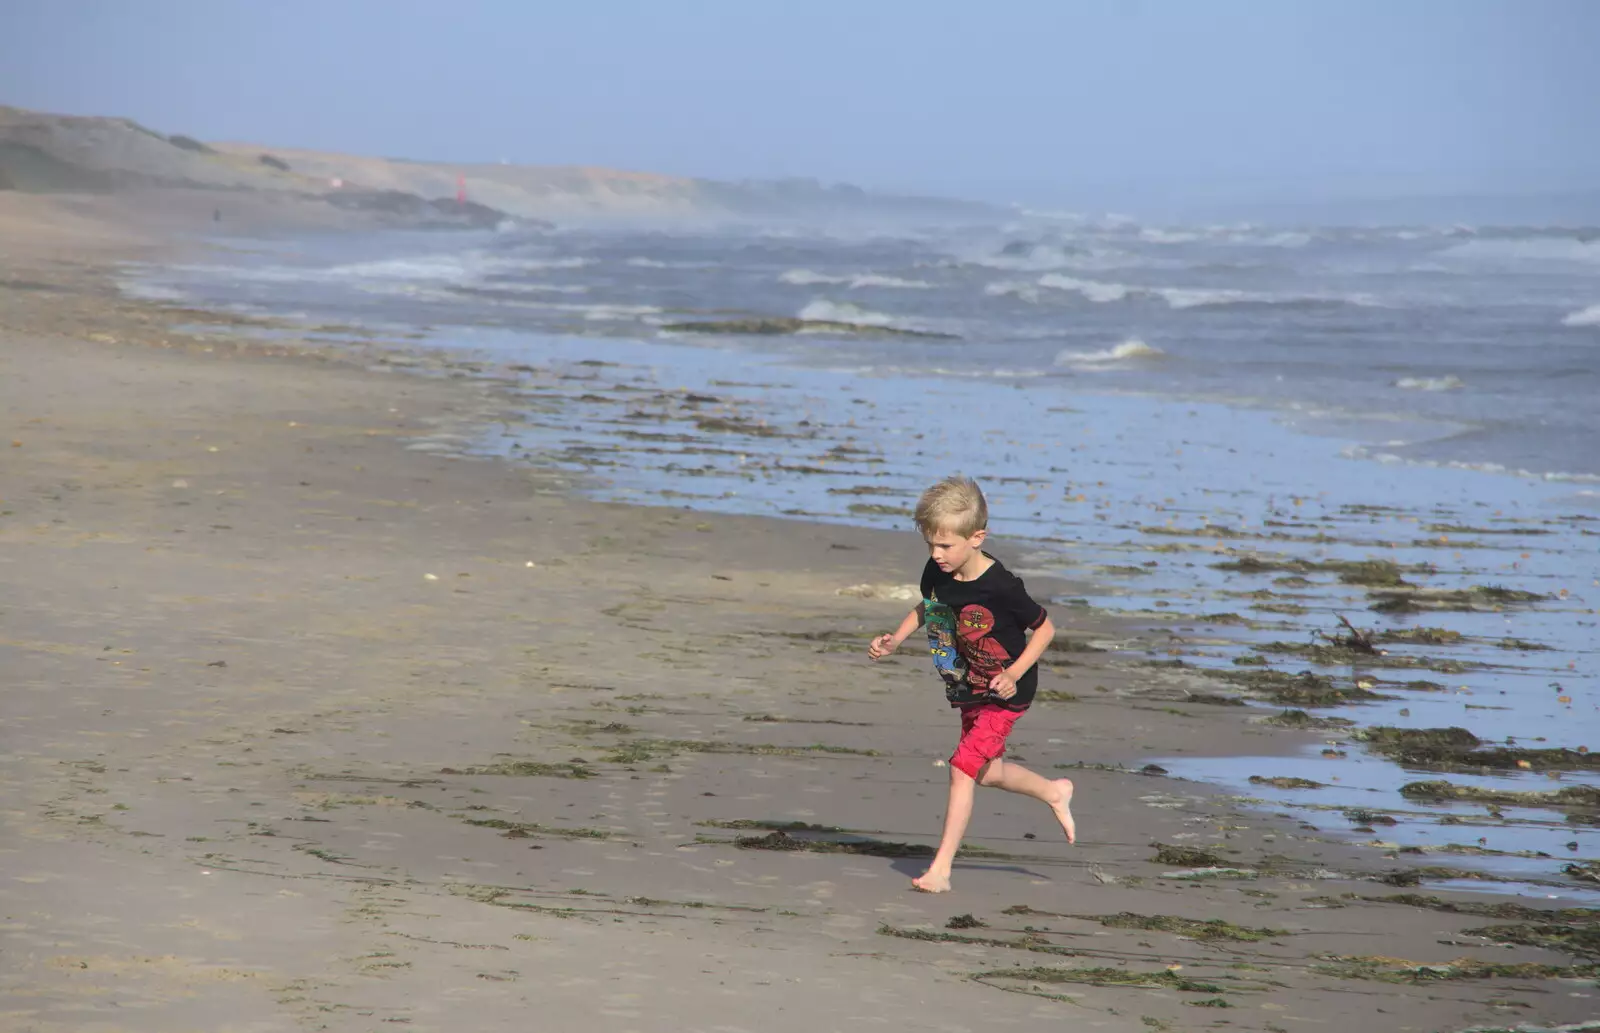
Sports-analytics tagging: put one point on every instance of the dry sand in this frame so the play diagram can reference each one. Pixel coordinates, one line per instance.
(270, 670)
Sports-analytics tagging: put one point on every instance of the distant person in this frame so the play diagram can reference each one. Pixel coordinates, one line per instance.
(216, 215)
(979, 617)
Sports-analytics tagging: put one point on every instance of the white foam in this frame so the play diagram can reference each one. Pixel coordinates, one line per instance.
(150, 291)
(448, 268)
(1515, 250)
(1160, 236)
(1132, 349)
(550, 263)
(1025, 291)
(1583, 317)
(656, 263)
(1390, 459)
(1449, 382)
(844, 312)
(875, 280)
(1091, 289)
(808, 278)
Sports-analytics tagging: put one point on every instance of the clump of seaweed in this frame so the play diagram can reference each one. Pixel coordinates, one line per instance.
(524, 829)
(1305, 689)
(1362, 816)
(1425, 636)
(1028, 942)
(1185, 857)
(1456, 749)
(1399, 970)
(640, 750)
(1163, 979)
(1372, 573)
(525, 769)
(1285, 782)
(1584, 871)
(1582, 942)
(1569, 796)
(1504, 909)
(1209, 929)
(1490, 598)
(1301, 719)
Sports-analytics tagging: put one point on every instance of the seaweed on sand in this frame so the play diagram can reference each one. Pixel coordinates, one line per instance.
(1456, 749)
(1207, 929)
(1186, 857)
(1577, 796)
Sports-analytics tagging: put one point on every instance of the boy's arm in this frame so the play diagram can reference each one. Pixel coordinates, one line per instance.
(1004, 684)
(883, 645)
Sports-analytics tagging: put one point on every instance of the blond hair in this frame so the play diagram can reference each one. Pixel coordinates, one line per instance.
(955, 504)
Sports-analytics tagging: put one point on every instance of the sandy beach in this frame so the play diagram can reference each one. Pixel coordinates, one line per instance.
(311, 724)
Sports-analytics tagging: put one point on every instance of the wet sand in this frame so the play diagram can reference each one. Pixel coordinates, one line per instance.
(309, 726)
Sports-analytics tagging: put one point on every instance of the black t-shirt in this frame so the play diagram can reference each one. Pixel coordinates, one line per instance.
(976, 629)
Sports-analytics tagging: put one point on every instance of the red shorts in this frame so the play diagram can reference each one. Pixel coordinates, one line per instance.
(983, 736)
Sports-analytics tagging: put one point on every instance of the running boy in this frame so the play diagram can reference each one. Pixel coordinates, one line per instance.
(978, 615)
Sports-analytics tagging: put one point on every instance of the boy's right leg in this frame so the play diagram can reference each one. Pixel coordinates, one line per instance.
(1014, 778)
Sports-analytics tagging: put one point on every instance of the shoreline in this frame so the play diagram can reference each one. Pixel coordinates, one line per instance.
(269, 769)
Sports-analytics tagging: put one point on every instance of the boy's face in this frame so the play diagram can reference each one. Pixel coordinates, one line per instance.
(950, 551)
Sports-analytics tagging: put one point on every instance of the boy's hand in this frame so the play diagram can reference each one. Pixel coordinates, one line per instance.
(882, 646)
(1003, 685)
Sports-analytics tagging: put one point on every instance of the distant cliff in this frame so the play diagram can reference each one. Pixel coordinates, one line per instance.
(62, 153)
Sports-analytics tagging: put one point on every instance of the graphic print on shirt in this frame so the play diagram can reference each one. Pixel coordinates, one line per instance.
(984, 657)
(947, 659)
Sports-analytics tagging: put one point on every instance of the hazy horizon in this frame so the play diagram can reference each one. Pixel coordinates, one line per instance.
(1154, 106)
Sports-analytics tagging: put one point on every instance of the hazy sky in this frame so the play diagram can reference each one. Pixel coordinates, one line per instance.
(1046, 101)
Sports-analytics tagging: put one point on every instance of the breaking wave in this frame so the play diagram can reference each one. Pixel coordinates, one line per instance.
(1583, 317)
(1390, 458)
(1130, 350)
(827, 311)
(1526, 249)
(1185, 297)
(640, 262)
(808, 278)
(1449, 382)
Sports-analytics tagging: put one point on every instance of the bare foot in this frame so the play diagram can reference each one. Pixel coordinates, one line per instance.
(929, 882)
(1063, 809)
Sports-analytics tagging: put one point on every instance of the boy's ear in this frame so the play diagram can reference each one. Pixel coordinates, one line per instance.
(978, 537)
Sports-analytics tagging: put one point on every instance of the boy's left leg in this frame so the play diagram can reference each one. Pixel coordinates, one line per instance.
(959, 811)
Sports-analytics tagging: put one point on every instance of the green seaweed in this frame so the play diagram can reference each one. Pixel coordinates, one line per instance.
(525, 768)
(1456, 749)
(524, 829)
(1399, 970)
(1185, 857)
(1581, 941)
(1344, 654)
(1209, 929)
(1576, 796)
(1301, 719)
(1163, 979)
(1466, 600)
(1285, 782)
(641, 750)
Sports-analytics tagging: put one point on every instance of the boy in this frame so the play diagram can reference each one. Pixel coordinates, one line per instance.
(978, 614)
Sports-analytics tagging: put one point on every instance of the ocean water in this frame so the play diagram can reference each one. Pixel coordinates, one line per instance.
(1145, 405)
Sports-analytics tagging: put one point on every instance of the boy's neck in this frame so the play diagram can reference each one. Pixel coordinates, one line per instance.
(974, 568)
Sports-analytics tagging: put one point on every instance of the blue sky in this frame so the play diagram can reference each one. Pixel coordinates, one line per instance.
(1032, 100)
